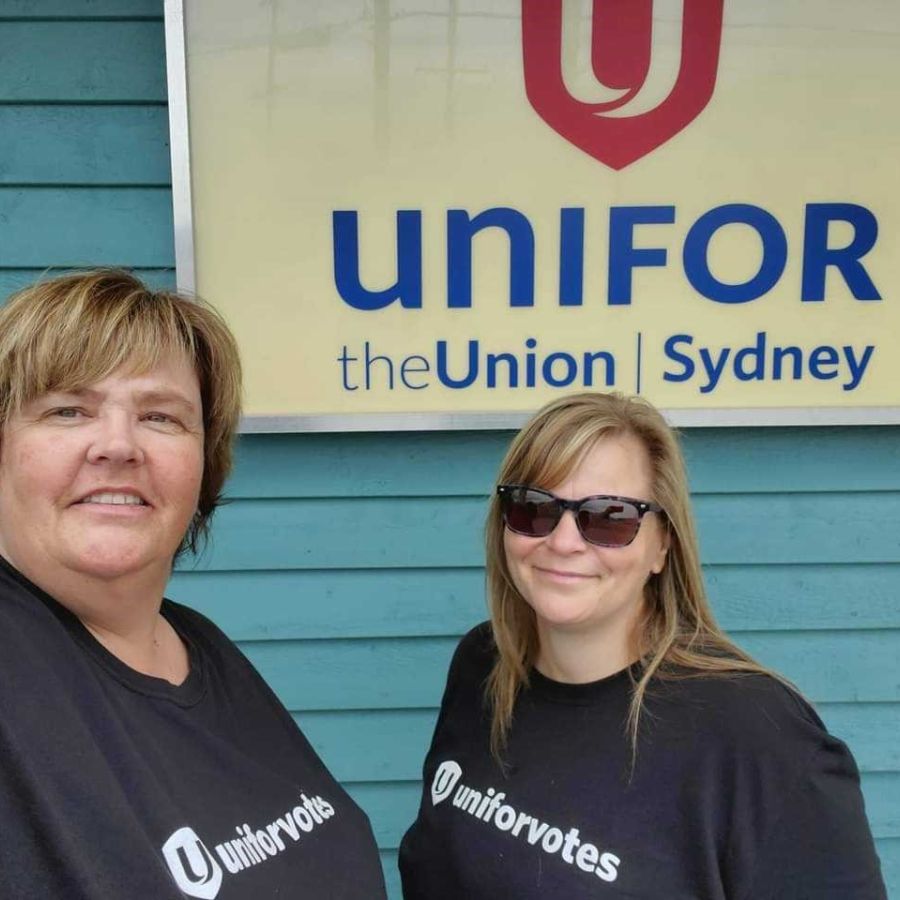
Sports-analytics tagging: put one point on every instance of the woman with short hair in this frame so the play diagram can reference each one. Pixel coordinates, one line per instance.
(141, 755)
(601, 736)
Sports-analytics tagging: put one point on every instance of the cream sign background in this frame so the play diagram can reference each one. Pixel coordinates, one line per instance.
(394, 225)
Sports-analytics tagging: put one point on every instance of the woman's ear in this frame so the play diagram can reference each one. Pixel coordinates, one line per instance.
(659, 560)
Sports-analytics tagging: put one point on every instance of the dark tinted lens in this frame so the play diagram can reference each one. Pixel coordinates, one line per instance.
(611, 523)
(530, 512)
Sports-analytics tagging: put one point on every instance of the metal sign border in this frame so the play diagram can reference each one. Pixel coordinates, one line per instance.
(185, 280)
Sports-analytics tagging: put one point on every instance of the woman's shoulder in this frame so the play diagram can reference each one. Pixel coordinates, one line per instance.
(476, 647)
(478, 641)
(33, 626)
(745, 710)
(792, 788)
(474, 656)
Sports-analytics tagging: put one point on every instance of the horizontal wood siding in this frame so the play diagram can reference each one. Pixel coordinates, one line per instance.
(84, 170)
(840, 667)
(97, 10)
(347, 566)
(103, 145)
(89, 62)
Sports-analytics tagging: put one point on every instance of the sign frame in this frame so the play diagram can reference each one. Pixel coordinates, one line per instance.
(185, 277)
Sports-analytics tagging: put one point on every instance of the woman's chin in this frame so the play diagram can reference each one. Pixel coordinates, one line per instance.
(564, 616)
(118, 563)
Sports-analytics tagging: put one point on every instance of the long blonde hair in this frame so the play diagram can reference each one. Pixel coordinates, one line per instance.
(678, 633)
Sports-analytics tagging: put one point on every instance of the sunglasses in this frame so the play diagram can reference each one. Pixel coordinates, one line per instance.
(602, 520)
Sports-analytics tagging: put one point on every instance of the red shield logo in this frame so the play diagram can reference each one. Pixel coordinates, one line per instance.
(620, 59)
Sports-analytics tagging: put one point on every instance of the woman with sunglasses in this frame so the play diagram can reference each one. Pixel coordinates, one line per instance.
(601, 736)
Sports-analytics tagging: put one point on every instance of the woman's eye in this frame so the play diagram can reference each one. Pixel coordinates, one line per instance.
(66, 412)
(158, 418)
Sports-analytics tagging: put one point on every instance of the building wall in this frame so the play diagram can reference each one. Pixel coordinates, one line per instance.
(347, 565)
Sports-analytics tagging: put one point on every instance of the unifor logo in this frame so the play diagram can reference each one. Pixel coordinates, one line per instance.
(445, 778)
(619, 129)
(192, 865)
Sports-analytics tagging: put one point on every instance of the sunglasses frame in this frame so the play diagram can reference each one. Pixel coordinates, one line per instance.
(642, 506)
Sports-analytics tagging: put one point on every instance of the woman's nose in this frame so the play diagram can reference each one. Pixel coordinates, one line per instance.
(566, 537)
(115, 440)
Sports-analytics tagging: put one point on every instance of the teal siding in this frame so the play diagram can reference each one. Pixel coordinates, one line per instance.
(102, 145)
(97, 10)
(95, 62)
(348, 565)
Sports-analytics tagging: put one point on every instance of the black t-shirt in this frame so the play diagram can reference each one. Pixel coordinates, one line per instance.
(736, 791)
(114, 784)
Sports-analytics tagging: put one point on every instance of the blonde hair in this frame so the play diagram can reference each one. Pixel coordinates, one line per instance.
(678, 634)
(69, 332)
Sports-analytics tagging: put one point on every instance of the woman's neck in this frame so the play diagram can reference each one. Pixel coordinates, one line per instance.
(579, 657)
(154, 649)
(123, 614)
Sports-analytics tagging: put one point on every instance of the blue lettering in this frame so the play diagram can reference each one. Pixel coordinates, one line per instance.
(682, 359)
(530, 364)
(750, 362)
(345, 359)
(460, 231)
(817, 256)
(623, 255)
(590, 359)
(456, 383)
(512, 368)
(857, 367)
(778, 355)
(714, 366)
(406, 368)
(756, 353)
(570, 365)
(696, 247)
(820, 358)
(571, 257)
(369, 360)
(408, 286)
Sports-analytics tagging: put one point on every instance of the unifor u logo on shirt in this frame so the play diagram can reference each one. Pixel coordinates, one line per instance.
(493, 808)
(192, 866)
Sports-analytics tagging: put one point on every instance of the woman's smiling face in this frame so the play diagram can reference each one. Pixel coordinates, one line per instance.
(103, 482)
(575, 586)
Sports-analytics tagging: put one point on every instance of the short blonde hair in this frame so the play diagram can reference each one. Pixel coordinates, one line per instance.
(678, 633)
(69, 332)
